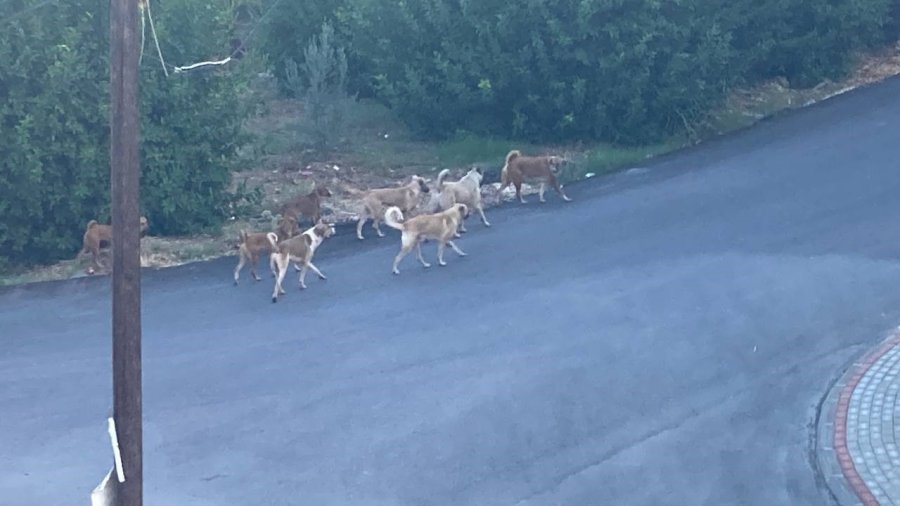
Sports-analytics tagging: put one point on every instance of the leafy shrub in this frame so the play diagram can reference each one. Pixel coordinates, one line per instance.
(629, 71)
(54, 129)
(286, 32)
(54, 134)
(804, 41)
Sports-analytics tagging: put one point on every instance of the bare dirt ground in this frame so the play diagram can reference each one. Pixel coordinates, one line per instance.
(378, 153)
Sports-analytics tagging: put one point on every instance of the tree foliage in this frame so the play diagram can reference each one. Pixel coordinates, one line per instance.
(54, 125)
(628, 71)
(321, 82)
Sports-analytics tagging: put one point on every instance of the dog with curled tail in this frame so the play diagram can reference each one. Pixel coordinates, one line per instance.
(251, 245)
(519, 168)
(465, 191)
(440, 227)
(98, 236)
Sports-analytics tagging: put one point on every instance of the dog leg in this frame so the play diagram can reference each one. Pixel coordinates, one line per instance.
(375, 223)
(541, 192)
(283, 263)
(456, 249)
(316, 270)
(253, 261)
(303, 276)
(272, 265)
(440, 254)
(406, 246)
(95, 262)
(518, 185)
(403, 252)
(359, 224)
(237, 270)
(278, 290)
(419, 255)
(503, 186)
(484, 220)
(558, 188)
(359, 227)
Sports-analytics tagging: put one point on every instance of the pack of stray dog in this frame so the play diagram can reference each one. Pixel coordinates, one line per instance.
(397, 207)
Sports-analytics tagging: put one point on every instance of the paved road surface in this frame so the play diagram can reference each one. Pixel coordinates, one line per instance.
(663, 340)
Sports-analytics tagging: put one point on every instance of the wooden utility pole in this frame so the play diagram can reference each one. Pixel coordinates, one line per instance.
(126, 243)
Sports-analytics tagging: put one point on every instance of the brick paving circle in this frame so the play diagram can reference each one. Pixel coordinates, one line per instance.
(866, 441)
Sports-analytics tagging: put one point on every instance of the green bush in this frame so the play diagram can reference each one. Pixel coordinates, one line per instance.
(54, 132)
(286, 31)
(804, 41)
(54, 126)
(628, 71)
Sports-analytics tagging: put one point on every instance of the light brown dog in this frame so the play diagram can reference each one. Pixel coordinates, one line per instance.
(465, 191)
(298, 249)
(376, 201)
(309, 205)
(518, 168)
(254, 244)
(440, 227)
(97, 236)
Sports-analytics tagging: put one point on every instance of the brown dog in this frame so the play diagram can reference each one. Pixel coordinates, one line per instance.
(298, 249)
(376, 201)
(254, 244)
(518, 168)
(97, 236)
(309, 205)
(440, 227)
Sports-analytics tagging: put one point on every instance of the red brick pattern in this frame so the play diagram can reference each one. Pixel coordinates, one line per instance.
(840, 422)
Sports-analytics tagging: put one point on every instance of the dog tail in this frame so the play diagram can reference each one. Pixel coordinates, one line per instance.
(273, 240)
(393, 218)
(441, 177)
(84, 250)
(504, 173)
(354, 191)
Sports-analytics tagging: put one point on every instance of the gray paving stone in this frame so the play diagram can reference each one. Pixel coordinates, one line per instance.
(871, 432)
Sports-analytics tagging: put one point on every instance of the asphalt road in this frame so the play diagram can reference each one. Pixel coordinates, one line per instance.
(662, 340)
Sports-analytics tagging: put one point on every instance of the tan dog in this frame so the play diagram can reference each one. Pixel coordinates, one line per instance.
(376, 201)
(440, 227)
(465, 191)
(298, 249)
(309, 205)
(518, 168)
(254, 244)
(97, 236)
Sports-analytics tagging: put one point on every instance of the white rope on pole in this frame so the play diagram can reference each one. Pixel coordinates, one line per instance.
(203, 64)
(143, 31)
(156, 40)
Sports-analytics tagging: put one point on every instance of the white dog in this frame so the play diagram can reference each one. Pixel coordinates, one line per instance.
(465, 191)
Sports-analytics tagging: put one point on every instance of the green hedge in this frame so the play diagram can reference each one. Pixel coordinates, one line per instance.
(628, 71)
(54, 130)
